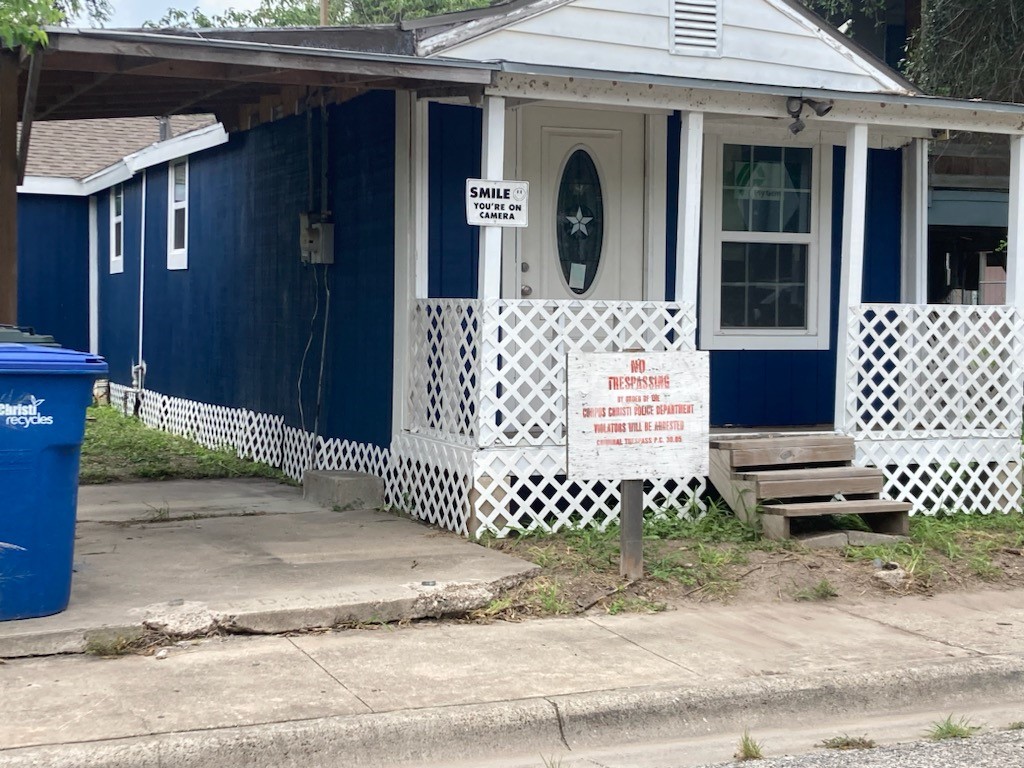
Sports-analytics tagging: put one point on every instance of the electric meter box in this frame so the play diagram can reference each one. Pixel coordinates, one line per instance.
(316, 238)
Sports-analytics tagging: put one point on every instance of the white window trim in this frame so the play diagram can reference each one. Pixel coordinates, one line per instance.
(177, 258)
(116, 261)
(819, 256)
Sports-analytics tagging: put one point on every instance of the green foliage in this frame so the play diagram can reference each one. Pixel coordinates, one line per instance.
(970, 49)
(305, 13)
(749, 748)
(823, 590)
(952, 729)
(118, 448)
(840, 11)
(22, 22)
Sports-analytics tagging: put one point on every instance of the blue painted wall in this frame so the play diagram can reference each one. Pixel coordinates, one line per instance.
(455, 136)
(232, 328)
(119, 294)
(53, 267)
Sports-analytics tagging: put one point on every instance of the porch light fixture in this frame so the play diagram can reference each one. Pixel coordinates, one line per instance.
(795, 108)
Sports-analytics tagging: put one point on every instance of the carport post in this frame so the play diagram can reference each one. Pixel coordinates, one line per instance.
(8, 187)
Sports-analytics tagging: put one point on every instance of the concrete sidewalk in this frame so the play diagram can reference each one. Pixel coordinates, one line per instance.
(251, 556)
(441, 691)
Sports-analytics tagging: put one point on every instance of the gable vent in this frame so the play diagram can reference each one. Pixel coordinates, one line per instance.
(697, 27)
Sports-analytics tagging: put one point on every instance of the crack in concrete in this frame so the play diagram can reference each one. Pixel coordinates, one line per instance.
(912, 633)
(561, 724)
(642, 648)
(328, 672)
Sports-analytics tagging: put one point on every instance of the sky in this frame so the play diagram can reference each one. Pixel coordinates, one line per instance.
(133, 13)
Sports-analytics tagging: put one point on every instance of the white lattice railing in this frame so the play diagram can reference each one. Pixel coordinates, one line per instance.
(935, 395)
(493, 373)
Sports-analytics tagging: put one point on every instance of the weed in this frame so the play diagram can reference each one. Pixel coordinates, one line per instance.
(848, 742)
(634, 605)
(551, 762)
(749, 748)
(109, 646)
(1016, 725)
(823, 590)
(496, 606)
(952, 729)
(548, 598)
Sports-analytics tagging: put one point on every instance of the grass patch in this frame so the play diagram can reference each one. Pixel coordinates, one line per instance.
(848, 742)
(749, 748)
(634, 605)
(952, 729)
(106, 645)
(117, 448)
(823, 590)
(1016, 725)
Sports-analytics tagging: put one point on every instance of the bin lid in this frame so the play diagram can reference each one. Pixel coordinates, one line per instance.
(31, 358)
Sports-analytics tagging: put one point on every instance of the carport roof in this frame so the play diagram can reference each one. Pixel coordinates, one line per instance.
(130, 73)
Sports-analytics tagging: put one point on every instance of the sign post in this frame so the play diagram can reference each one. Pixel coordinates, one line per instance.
(636, 416)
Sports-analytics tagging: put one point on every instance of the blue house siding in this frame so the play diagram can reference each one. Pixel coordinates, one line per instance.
(455, 136)
(53, 267)
(232, 328)
(119, 294)
(753, 388)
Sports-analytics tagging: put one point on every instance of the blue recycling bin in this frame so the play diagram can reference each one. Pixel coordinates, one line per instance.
(44, 392)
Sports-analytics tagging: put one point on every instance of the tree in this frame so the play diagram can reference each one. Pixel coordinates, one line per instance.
(22, 22)
(300, 13)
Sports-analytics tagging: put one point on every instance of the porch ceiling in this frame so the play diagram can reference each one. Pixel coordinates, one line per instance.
(102, 74)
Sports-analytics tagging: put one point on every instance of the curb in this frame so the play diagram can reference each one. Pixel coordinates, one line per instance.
(445, 600)
(545, 725)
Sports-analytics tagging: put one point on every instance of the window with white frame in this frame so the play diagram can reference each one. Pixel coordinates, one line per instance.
(117, 230)
(177, 215)
(765, 248)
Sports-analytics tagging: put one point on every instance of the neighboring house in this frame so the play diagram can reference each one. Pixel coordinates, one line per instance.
(69, 163)
(737, 177)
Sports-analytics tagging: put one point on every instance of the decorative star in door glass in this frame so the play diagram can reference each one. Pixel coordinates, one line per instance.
(579, 222)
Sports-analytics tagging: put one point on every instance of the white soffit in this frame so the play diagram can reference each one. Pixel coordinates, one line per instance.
(765, 42)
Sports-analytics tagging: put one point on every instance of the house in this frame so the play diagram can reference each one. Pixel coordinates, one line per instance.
(737, 177)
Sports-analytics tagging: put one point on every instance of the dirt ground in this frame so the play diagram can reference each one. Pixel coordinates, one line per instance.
(724, 562)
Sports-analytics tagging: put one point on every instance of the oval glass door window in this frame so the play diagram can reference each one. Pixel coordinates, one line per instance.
(580, 221)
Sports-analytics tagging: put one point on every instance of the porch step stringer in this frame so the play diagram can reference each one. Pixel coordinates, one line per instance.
(774, 479)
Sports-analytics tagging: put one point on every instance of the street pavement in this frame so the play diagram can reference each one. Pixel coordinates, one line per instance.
(430, 692)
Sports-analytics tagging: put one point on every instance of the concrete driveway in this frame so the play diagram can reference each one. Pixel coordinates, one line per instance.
(251, 556)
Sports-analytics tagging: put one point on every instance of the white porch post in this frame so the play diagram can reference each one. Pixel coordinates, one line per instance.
(691, 153)
(492, 167)
(410, 239)
(914, 285)
(94, 278)
(852, 271)
(1015, 228)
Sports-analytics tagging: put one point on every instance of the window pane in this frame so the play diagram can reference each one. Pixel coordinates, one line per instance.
(179, 183)
(766, 189)
(118, 201)
(118, 239)
(734, 263)
(764, 285)
(179, 229)
(733, 307)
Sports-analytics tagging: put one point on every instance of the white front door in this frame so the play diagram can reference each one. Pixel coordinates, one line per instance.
(587, 196)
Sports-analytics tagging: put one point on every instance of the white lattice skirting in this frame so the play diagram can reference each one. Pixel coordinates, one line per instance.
(257, 436)
(935, 396)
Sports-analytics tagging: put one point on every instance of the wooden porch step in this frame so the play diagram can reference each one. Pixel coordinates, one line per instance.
(815, 481)
(881, 515)
(818, 508)
(781, 451)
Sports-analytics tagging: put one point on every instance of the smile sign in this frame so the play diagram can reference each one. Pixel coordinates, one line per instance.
(497, 203)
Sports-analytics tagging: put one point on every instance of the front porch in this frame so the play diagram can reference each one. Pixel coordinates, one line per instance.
(932, 395)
